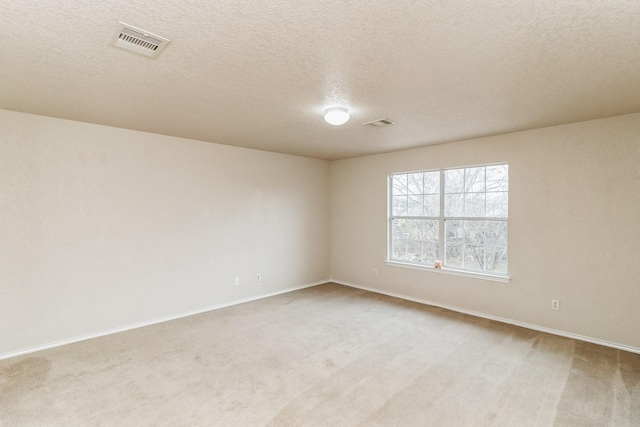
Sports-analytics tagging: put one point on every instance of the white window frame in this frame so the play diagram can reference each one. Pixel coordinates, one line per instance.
(487, 275)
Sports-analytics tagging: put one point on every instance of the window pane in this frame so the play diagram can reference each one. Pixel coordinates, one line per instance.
(399, 184)
(498, 204)
(454, 255)
(432, 205)
(414, 251)
(474, 232)
(474, 205)
(454, 232)
(454, 204)
(399, 206)
(415, 240)
(496, 259)
(415, 205)
(474, 257)
(415, 231)
(430, 253)
(430, 230)
(432, 183)
(476, 245)
(497, 178)
(415, 183)
(399, 251)
(401, 228)
(454, 181)
(474, 180)
(496, 233)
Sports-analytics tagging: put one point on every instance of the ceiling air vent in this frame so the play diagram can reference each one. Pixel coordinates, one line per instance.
(139, 41)
(380, 123)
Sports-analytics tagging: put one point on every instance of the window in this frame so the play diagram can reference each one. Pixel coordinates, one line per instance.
(455, 216)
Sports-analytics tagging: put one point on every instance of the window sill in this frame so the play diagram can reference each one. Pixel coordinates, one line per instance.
(490, 277)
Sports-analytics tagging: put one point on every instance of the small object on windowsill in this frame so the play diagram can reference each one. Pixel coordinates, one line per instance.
(437, 264)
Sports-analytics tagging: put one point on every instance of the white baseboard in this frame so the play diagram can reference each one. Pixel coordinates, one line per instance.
(154, 321)
(497, 318)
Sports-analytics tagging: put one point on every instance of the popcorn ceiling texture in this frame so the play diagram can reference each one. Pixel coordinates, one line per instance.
(260, 74)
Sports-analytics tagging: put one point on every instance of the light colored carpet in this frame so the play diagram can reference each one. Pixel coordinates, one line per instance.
(324, 356)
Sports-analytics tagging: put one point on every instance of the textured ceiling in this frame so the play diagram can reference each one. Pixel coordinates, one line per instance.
(259, 74)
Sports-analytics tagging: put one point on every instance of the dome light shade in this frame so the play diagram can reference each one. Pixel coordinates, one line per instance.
(336, 116)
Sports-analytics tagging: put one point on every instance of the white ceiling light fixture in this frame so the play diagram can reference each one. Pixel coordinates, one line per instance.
(336, 116)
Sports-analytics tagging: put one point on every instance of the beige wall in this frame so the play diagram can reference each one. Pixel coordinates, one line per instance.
(574, 228)
(103, 228)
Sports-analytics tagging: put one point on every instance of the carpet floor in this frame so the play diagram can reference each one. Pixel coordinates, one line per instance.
(324, 356)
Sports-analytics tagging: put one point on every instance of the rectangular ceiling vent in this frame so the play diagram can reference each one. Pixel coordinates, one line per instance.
(139, 41)
(380, 123)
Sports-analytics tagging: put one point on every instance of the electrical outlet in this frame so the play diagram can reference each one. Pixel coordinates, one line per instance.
(258, 278)
(236, 281)
(375, 271)
(555, 304)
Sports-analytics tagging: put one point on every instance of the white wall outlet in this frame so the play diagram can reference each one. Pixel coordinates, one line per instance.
(236, 281)
(555, 304)
(258, 278)
(375, 271)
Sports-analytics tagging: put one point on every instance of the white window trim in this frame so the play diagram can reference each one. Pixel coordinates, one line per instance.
(450, 272)
(504, 278)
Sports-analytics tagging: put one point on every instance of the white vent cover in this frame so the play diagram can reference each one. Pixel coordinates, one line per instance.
(139, 41)
(380, 123)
